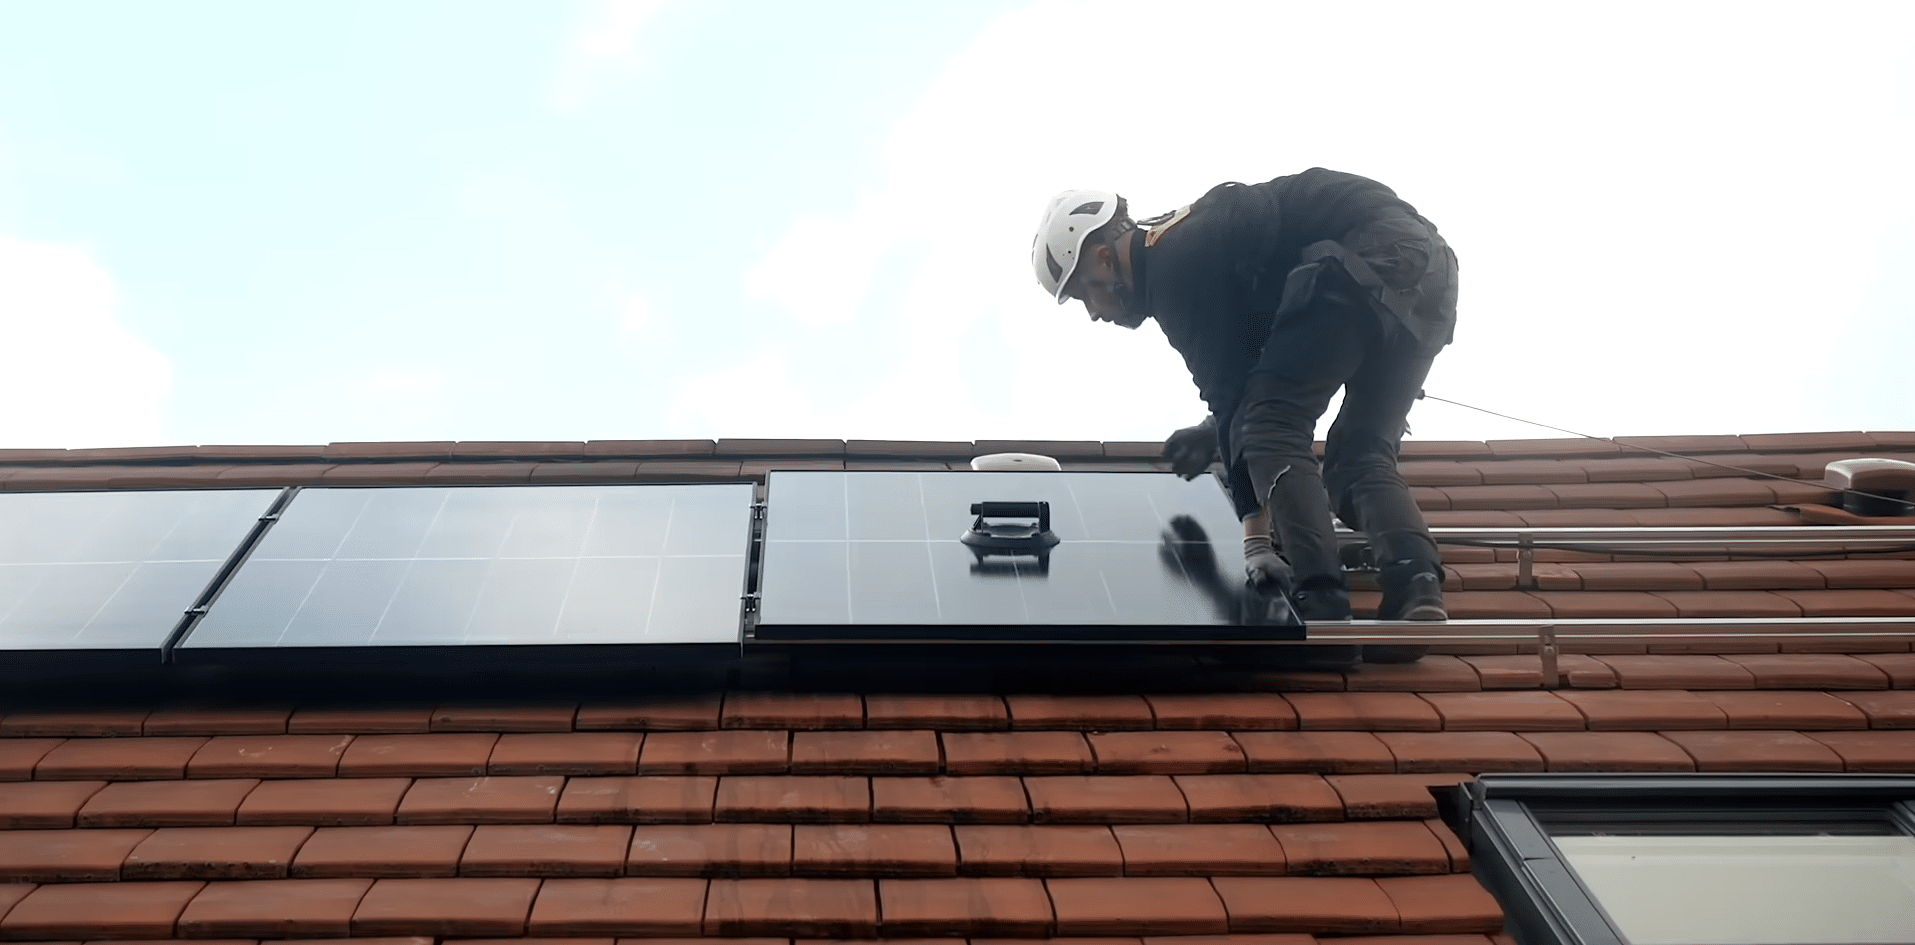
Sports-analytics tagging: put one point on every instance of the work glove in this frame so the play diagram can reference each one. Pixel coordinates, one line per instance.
(1191, 450)
(1262, 564)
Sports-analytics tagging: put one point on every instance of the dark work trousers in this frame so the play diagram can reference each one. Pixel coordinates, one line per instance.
(1331, 344)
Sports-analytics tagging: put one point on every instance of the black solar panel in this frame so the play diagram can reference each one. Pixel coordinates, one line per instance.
(537, 565)
(886, 551)
(113, 570)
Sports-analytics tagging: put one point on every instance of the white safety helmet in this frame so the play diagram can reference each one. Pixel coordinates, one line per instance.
(1068, 219)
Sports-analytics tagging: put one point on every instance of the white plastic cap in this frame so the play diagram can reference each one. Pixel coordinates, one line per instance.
(1015, 462)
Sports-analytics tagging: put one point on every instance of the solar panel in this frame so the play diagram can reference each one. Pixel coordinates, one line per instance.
(527, 565)
(113, 570)
(871, 555)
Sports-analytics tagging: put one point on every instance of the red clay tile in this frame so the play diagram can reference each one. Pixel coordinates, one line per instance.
(1038, 851)
(273, 474)
(421, 756)
(268, 756)
(678, 470)
(506, 717)
(11, 893)
(1361, 848)
(964, 907)
(1635, 576)
(1872, 751)
(1433, 673)
(1538, 471)
(1199, 850)
(938, 800)
(1860, 602)
(813, 908)
(1773, 709)
(647, 449)
(1645, 709)
(627, 906)
(1865, 572)
(1756, 575)
(347, 802)
(1884, 710)
(881, 752)
(724, 850)
(747, 752)
(1621, 604)
(40, 804)
(1898, 667)
(1421, 752)
(794, 798)
(215, 853)
(1392, 796)
(212, 720)
(1678, 672)
(1507, 672)
(361, 720)
(546, 850)
(1230, 798)
(938, 712)
(99, 910)
(1439, 473)
(1716, 491)
(1756, 751)
(65, 856)
(1292, 680)
(165, 803)
(1500, 498)
(645, 799)
(608, 471)
(1495, 605)
(1496, 576)
(1609, 495)
(1305, 904)
(792, 710)
(1609, 751)
(1084, 713)
(445, 907)
(967, 753)
(566, 753)
(1438, 904)
(1586, 672)
(396, 852)
(1732, 604)
(691, 713)
(488, 800)
(1223, 710)
(1327, 752)
(84, 722)
(1363, 711)
(1505, 712)
(19, 755)
(376, 474)
(890, 850)
(1810, 671)
(1106, 799)
(510, 474)
(1166, 753)
(119, 759)
(1137, 906)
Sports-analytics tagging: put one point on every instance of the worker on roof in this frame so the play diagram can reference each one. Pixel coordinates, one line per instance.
(1278, 294)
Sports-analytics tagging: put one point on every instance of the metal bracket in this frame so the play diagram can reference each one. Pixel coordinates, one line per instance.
(1525, 563)
(1547, 650)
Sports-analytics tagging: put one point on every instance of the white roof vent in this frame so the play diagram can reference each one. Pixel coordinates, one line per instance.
(1015, 462)
(1872, 486)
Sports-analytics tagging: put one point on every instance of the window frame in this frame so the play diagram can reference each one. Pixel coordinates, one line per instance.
(1543, 900)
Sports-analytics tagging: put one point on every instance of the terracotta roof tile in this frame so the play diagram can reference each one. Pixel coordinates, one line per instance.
(1733, 603)
(1507, 672)
(99, 910)
(793, 710)
(1439, 473)
(1333, 905)
(11, 893)
(484, 800)
(1866, 572)
(1801, 442)
(1899, 667)
(1892, 752)
(442, 754)
(1221, 798)
(1756, 575)
(78, 721)
(1852, 603)
(1093, 713)
(1103, 799)
(1361, 848)
(546, 850)
(722, 850)
(648, 448)
(1645, 709)
(974, 800)
(1452, 845)
(690, 713)
(1679, 672)
(1444, 448)
(444, 907)
(378, 852)
(912, 449)
(1062, 850)
(1321, 752)
(18, 756)
(740, 752)
(1504, 605)
(1393, 796)
(1504, 712)
(199, 720)
(268, 756)
(566, 753)
(1607, 604)
(1154, 906)
(285, 474)
(165, 803)
(509, 717)
(119, 759)
(1609, 495)
(1364, 711)
(1884, 710)
(758, 448)
(933, 711)
(685, 470)
(1165, 752)
(1432, 904)
(1016, 753)
(1199, 850)
(1756, 751)
(1716, 492)
(1525, 471)
(361, 720)
(794, 798)
(457, 473)
(645, 799)
(965, 907)
(880, 752)
(600, 471)
(873, 850)
(1716, 443)
(1420, 752)
(1771, 709)
(625, 906)
(1608, 751)
(1433, 673)
(40, 804)
(1222, 710)
(813, 908)
(350, 802)
(66, 856)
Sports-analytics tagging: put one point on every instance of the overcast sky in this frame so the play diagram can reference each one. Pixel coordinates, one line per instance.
(300, 222)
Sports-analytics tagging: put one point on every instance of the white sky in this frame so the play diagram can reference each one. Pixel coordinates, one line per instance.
(224, 223)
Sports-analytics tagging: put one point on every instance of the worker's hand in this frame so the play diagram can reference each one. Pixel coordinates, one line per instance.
(1261, 563)
(1191, 450)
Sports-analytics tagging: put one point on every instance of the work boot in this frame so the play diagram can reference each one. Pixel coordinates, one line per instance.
(1321, 598)
(1412, 590)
